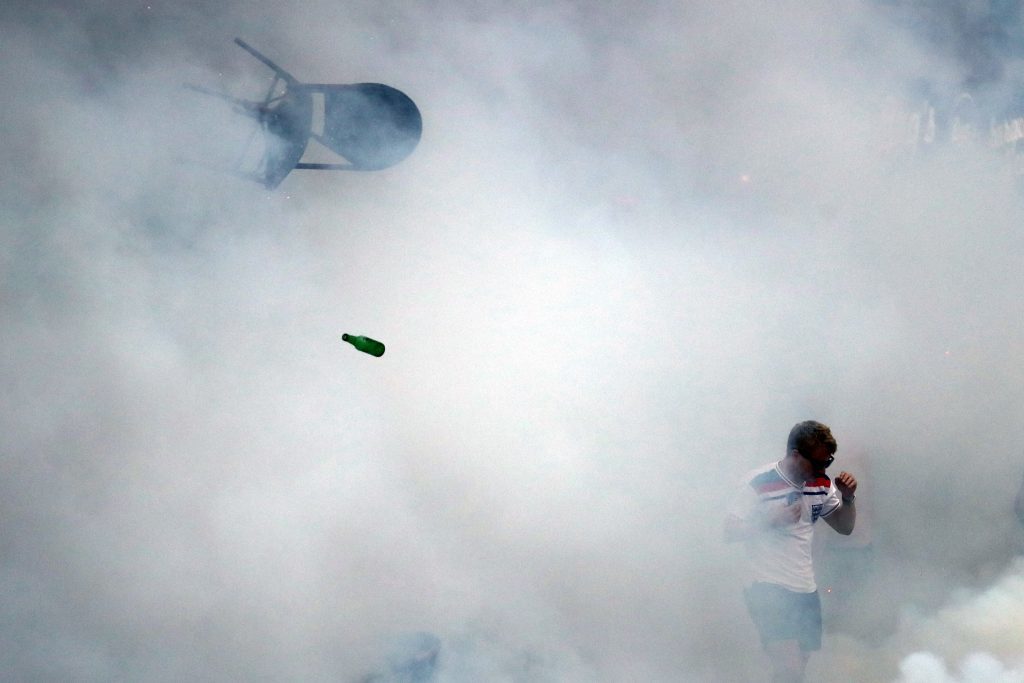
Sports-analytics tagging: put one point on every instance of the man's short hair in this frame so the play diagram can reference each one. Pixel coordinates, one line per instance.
(804, 436)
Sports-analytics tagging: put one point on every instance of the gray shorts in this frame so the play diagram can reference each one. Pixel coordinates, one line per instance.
(781, 614)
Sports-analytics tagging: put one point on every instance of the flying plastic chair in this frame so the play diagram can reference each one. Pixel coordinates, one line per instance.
(370, 125)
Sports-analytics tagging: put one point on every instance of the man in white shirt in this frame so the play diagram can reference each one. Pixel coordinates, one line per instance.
(774, 516)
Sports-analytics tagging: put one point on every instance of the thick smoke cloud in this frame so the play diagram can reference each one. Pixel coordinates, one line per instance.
(633, 248)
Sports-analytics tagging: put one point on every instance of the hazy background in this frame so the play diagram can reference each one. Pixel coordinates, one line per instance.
(634, 246)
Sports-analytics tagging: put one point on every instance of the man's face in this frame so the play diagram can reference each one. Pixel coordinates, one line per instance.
(818, 459)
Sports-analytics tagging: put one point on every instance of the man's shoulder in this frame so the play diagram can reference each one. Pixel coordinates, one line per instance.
(765, 476)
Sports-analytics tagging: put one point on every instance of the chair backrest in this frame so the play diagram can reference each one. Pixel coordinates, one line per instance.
(372, 125)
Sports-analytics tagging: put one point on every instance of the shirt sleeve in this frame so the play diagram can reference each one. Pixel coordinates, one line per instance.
(744, 502)
(833, 501)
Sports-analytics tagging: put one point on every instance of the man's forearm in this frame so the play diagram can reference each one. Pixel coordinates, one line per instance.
(845, 518)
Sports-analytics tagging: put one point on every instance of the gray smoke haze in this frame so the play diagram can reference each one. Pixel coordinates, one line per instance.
(634, 246)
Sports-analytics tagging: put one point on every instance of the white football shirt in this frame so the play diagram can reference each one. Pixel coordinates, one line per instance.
(782, 555)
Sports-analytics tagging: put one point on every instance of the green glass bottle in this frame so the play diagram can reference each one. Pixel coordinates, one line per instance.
(365, 344)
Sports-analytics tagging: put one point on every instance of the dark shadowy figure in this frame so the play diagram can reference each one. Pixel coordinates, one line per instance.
(1018, 504)
(412, 658)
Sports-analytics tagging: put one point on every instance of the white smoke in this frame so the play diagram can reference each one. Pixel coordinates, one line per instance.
(924, 667)
(635, 245)
(979, 635)
(972, 637)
